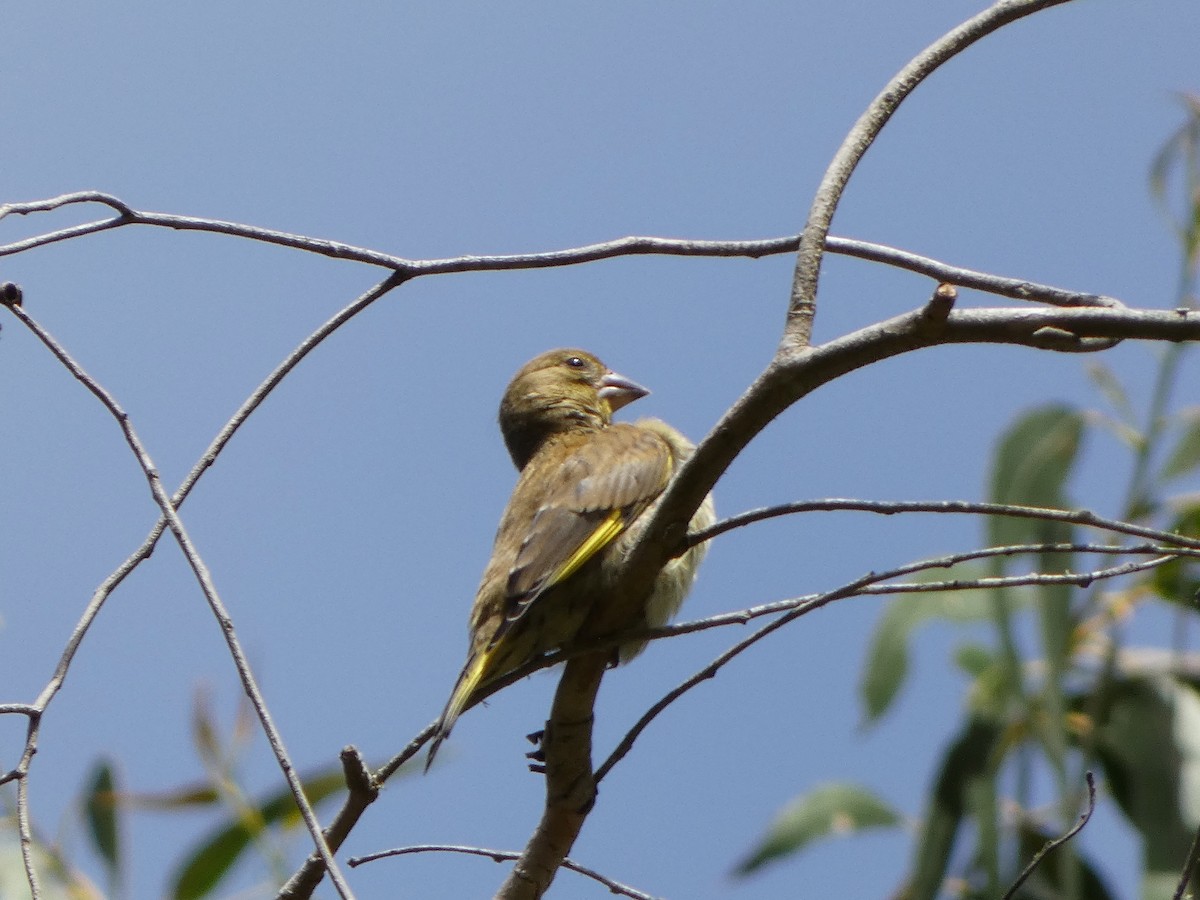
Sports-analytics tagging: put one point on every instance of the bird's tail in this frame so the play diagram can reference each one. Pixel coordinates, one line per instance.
(468, 680)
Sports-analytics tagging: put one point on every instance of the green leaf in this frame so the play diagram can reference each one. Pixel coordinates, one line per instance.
(829, 810)
(1179, 580)
(216, 854)
(1180, 155)
(1031, 465)
(1185, 458)
(205, 734)
(103, 826)
(1149, 745)
(974, 659)
(184, 797)
(1033, 461)
(1161, 886)
(966, 762)
(1127, 434)
(886, 666)
(1107, 382)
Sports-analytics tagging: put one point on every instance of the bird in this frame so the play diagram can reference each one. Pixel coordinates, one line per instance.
(586, 488)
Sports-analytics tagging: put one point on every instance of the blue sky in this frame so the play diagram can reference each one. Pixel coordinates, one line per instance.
(347, 524)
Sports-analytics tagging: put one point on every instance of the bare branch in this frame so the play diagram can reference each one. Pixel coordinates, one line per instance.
(636, 245)
(200, 570)
(1016, 288)
(1189, 866)
(894, 507)
(127, 215)
(19, 709)
(570, 786)
(355, 800)
(306, 878)
(802, 306)
(499, 856)
(25, 832)
(869, 584)
(786, 381)
(872, 584)
(1057, 842)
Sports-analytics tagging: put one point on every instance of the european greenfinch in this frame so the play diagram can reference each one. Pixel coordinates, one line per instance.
(585, 489)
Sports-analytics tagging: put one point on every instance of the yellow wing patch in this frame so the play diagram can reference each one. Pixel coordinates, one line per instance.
(605, 533)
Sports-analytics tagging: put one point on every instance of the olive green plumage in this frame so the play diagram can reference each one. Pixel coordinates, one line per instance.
(584, 488)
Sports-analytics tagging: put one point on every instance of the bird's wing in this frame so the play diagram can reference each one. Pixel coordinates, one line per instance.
(591, 496)
(572, 500)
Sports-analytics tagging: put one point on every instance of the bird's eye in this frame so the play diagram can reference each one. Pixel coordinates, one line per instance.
(574, 362)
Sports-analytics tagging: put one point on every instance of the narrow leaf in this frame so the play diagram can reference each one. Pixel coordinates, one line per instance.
(974, 659)
(827, 811)
(184, 797)
(886, 666)
(100, 807)
(1150, 751)
(1186, 455)
(1179, 580)
(965, 762)
(1032, 462)
(1107, 382)
(208, 863)
(205, 734)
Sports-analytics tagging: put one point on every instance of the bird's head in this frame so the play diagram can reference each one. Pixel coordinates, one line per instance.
(559, 391)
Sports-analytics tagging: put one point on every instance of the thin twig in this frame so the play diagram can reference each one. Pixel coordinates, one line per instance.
(25, 834)
(944, 273)
(741, 617)
(634, 245)
(1189, 866)
(500, 856)
(209, 456)
(105, 589)
(1059, 841)
(893, 507)
(868, 584)
(203, 577)
(802, 305)
(18, 709)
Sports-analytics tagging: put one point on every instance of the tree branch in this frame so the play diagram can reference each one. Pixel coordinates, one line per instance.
(802, 306)
(204, 578)
(637, 245)
(570, 785)
(614, 887)
(1189, 868)
(869, 584)
(1057, 842)
(895, 507)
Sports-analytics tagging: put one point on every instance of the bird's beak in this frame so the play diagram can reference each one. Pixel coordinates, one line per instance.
(619, 391)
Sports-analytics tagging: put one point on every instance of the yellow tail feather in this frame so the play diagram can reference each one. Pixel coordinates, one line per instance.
(468, 680)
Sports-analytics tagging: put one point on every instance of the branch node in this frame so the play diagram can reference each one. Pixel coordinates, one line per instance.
(358, 776)
(10, 294)
(1051, 338)
(937, 310)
